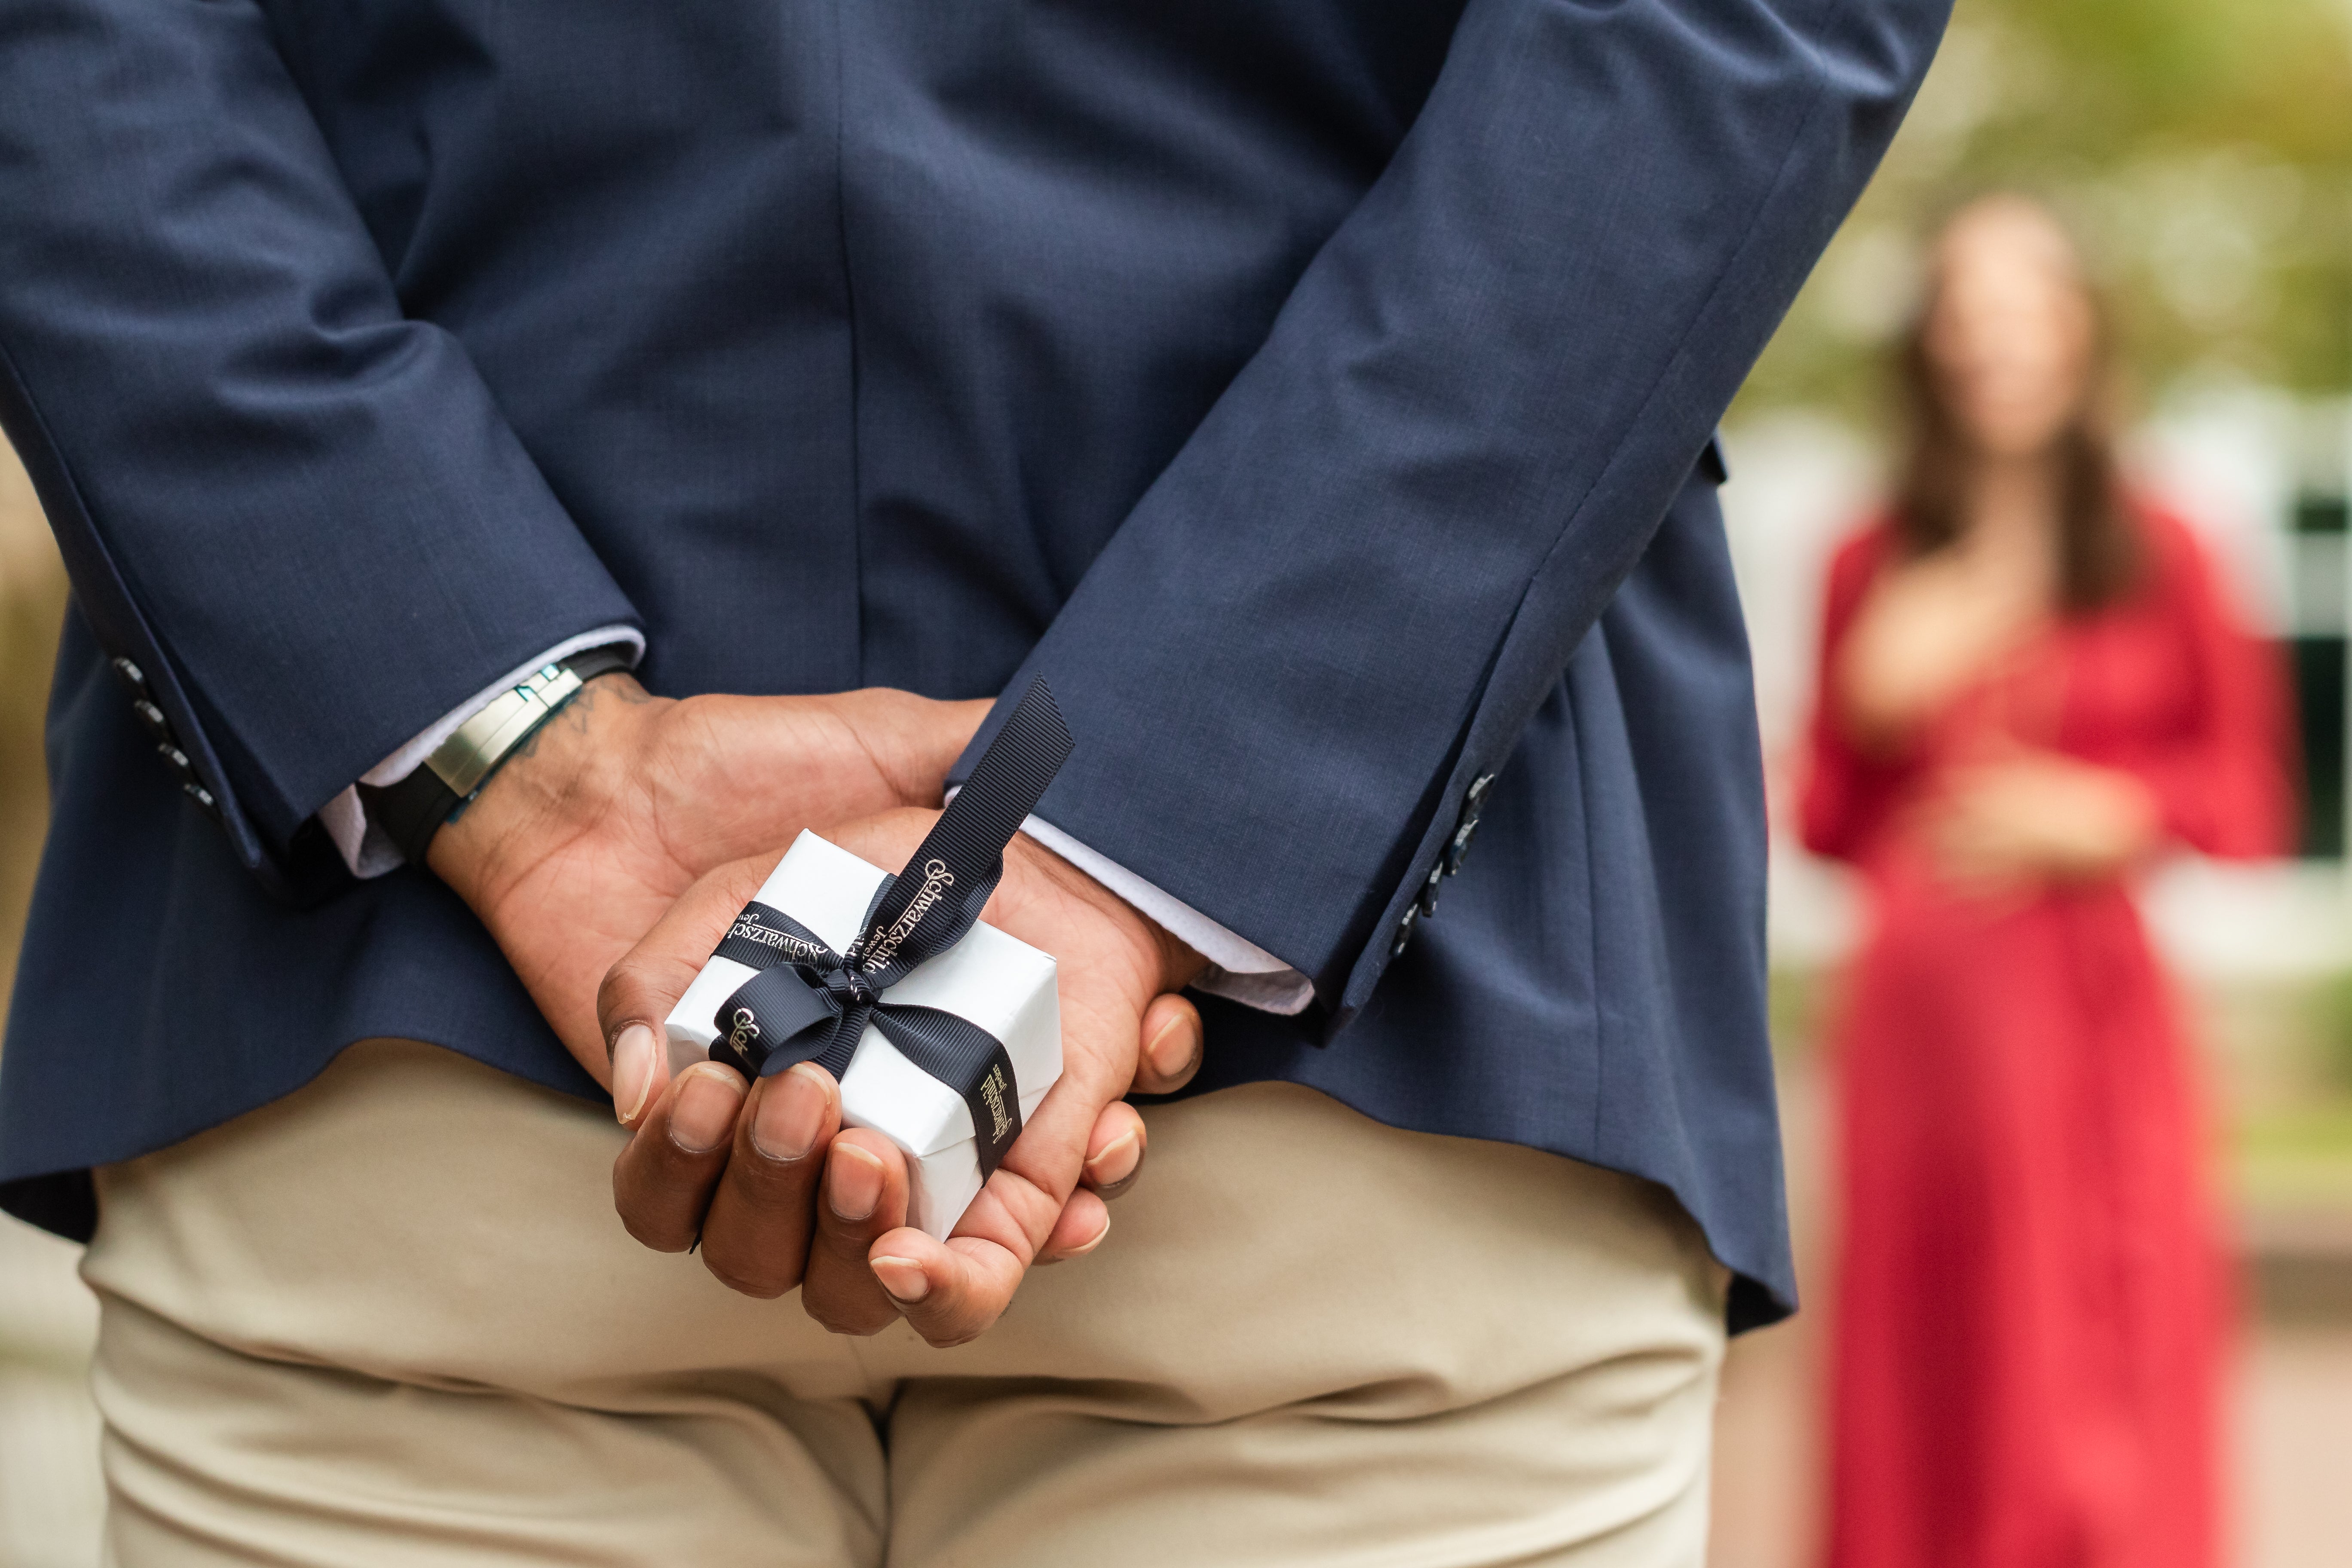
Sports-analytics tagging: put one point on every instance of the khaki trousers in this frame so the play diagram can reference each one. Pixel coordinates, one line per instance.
(393, 1320)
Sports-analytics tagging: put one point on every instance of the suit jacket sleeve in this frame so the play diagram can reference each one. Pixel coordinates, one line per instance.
(298, 512)
(1343, 599)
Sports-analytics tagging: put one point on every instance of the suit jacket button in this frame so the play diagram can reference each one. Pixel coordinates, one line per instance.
(1476, 794)
(132, 676)
(1428, 902)
(177, 758)
(203, 797)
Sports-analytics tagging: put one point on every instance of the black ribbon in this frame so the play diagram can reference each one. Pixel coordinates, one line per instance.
(809, 1002)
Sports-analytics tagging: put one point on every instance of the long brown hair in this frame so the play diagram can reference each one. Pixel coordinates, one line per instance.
(2098, 543)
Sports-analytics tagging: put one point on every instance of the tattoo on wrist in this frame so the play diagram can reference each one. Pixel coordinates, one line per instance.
(616, 684)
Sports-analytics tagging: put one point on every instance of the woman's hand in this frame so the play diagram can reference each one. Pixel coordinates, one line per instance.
(2040, 817)
(1929, 629)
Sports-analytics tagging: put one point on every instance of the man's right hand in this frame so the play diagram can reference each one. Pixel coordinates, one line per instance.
(778, 1196)
(589, 833)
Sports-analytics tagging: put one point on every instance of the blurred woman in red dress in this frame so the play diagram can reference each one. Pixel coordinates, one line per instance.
(2031, 685)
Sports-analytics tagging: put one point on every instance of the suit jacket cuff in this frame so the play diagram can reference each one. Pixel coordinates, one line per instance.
(1239, 970)
(367, 850)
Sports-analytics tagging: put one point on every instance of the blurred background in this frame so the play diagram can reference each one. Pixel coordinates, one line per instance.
(2202, 151)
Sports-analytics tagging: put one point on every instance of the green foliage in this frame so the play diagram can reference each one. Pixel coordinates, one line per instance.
(2202, 150)
(1799, 1007)
(2331, 1033)
(2295, 1157)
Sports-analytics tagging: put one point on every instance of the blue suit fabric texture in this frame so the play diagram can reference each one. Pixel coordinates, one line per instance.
(1318, 395)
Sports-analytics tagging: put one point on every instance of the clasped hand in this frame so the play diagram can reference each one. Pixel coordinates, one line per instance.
(608, 861)
(2026, 818)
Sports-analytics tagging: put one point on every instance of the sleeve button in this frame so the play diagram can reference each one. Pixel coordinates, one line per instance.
(132, 676)
(158, 727)
(1459, 849)
(1404, 929)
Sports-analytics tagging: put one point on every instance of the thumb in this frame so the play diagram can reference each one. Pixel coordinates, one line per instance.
(914, 740)
(639, 991)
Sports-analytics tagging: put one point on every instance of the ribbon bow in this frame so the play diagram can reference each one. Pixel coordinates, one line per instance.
(809, 1002)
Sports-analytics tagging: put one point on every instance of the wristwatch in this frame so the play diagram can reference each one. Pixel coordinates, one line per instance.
(411, 811)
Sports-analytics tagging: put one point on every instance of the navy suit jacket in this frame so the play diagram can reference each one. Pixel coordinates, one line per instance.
(1319, 394)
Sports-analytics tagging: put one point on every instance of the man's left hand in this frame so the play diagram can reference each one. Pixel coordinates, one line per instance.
(780, 1196)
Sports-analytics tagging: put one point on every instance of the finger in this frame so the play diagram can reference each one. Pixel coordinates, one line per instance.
(1084, 1224)
(1115, 1154)
(1170, 1054)
(663, 1179)
(947, 1293)
(919, 740)
(950, 1293)
(640, 1071)
(639, 991)
(1023, 1202)
(755, 1238)
(864, 1197)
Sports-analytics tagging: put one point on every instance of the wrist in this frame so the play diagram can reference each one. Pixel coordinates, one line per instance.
(564, 780)
(1172, 960)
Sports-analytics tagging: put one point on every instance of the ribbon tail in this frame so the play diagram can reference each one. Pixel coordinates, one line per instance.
(969, 1060)
(939, 894)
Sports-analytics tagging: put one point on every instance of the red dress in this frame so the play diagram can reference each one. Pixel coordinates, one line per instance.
(2032, 1302)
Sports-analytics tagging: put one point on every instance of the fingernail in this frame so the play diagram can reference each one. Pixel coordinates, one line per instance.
(903, 1278)
(1172, 1048)
(852, 1184)
(792, 1114)
(1116, 1163)
(704, 1112)
(633, 1071)
(1098, 1241)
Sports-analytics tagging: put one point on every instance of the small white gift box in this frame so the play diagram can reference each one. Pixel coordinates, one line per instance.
(1001, 984)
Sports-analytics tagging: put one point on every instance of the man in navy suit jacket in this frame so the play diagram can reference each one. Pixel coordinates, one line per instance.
(1318, 395)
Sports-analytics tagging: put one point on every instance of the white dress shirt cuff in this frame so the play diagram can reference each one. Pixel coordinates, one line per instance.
(365, 848)
(1239, 970)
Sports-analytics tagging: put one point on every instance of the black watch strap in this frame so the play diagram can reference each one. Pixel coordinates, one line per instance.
(411, 811)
